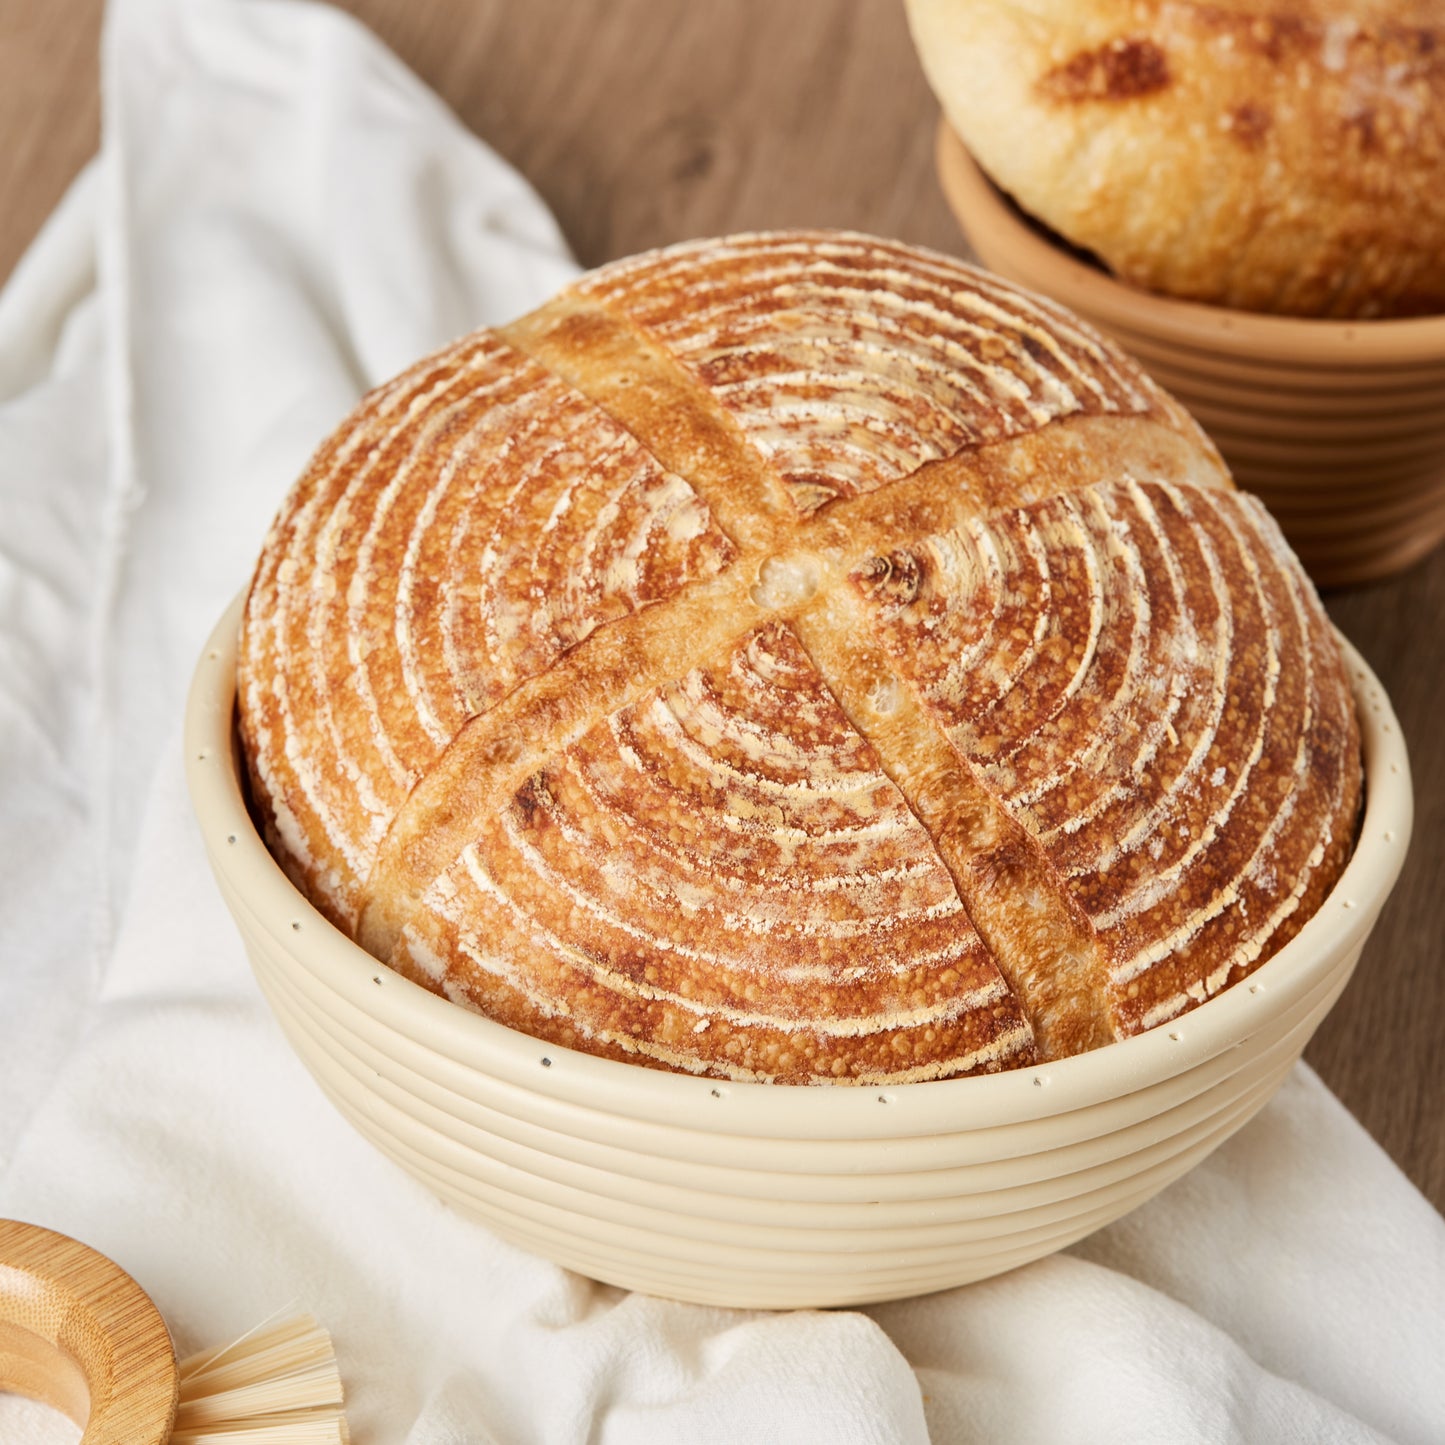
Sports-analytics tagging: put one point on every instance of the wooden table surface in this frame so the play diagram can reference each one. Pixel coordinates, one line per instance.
(647, 121)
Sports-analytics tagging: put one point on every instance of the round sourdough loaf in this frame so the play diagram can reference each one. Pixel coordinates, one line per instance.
(1285, 156)
(795, 657)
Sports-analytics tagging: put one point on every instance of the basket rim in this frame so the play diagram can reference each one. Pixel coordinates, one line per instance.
(253, 881)
(1307, 343)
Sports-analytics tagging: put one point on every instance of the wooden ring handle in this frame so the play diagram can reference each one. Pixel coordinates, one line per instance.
(78, 1333)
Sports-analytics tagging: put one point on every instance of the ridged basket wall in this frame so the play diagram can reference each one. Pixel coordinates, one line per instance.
(770, 1196)
(1338, 426)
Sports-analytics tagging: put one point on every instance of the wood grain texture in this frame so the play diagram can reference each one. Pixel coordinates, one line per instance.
(643, 122)
(77, 1332)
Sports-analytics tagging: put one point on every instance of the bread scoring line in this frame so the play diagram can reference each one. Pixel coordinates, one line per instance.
(1063, 1016)
(774, 535)
(836, 565)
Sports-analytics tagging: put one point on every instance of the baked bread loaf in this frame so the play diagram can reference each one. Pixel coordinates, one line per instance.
(1285, 156)
(795, 657)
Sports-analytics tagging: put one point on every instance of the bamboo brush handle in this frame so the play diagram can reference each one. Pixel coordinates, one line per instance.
(77, 1332)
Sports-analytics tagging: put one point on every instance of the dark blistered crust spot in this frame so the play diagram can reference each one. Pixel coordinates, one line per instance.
(1248, 123)
(532, 800)
(1361, 125)
(1124, 69)
(896, 579)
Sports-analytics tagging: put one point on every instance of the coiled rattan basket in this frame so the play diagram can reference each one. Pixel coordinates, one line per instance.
(768, 1196)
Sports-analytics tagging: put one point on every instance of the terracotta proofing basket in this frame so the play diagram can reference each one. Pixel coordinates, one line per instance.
(1339, 427)
(769, 1196)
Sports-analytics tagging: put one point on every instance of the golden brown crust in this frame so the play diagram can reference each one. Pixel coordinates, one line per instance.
(476, 520)
(590, 688)
(1137, 673)
(848, 366)
(1273, 157)
(1039, 938)
(719, 877)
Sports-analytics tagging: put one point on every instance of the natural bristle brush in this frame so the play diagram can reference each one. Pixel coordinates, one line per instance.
(78, 1333)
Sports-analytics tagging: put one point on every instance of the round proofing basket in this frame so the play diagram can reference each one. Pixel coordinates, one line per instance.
(1338, 426)
(766, 1196)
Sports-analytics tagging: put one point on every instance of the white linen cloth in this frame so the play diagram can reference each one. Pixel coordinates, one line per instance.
(280, 217)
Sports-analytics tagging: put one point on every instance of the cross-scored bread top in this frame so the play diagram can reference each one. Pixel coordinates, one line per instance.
(795, 657)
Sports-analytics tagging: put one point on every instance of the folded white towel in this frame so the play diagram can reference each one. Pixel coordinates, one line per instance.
(281, 216)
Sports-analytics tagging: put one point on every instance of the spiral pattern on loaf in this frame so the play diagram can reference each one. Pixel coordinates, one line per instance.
(788, 335)
(727, 862)
(775, 656)
(478, 520)
(1136, 671)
